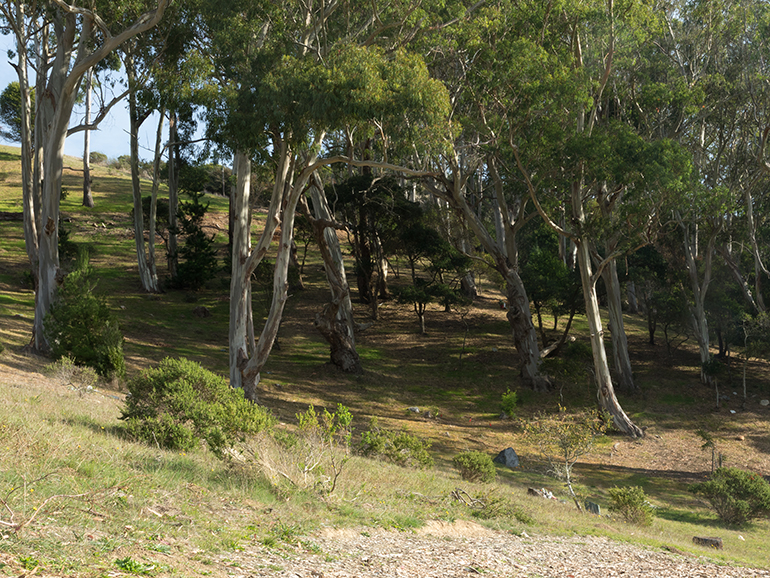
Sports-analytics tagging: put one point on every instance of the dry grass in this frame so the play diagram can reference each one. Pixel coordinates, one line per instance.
(191, 513)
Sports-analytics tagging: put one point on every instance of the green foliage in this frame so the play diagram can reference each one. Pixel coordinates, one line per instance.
(67, 371)
(488, 505)
(331, 428)
(97, 158)
(122, 163)
(161, 212)
(68, 249)
(509, 402)
(199, 258)
(475, 466)
(631, 503)
(735, 495)
(401, 447)
(563, 438)
(131, 566)
(10, 111)
(314, 457)
(443, 265)
(178, 403)
(28, 562)
(81, 325)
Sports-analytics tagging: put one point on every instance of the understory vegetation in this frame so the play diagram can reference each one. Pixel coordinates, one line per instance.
(192, 474)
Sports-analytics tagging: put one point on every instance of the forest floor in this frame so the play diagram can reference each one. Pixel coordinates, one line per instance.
(191, 515)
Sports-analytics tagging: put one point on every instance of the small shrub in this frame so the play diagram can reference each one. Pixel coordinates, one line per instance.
(735, 495)
(68, 249)
(161, 213)
(563, 438)
(178, 403)
(81, 325)
(509, 402)
(401, 448)
(475, 466)
(97, 158)
(198, 256)
(632, 504)
(314, 456)
(67, 372)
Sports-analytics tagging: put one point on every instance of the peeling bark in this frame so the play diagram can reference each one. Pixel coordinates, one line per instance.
(335, 322)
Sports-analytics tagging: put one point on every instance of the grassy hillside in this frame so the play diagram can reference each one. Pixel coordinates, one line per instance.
(125, 501)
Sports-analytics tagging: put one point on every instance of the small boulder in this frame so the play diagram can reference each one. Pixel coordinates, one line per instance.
(508, 458)
(201, 312)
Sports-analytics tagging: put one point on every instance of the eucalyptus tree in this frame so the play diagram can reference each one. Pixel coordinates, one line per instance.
(23, 25)
(705, 87)
(576, 150)
(69, 40)
(294, 73)
(164, 72)
(491, 75)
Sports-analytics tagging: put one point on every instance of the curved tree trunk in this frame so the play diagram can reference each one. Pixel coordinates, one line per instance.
(605, 389)
(699, 288)
(506, 261)
(335, 322)
(523, 331)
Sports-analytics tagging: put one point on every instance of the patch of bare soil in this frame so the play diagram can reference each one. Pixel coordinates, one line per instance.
(461, 549)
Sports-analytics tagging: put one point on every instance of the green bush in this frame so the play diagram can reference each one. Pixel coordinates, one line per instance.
(81, 325)
(475, 466)
(736, 496)
(178, 403)
(632, 504)
(401, 448)
(509, 402)
(97, 158)
(198, 257)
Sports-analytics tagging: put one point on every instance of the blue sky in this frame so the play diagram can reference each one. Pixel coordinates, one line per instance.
(112, 136)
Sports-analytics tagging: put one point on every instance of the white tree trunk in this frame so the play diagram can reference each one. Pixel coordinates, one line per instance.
(54, 106)
(633, 302)
(88, 198)
(335, 322)
(621, 359)
(152, 225)
(699, 288)
(147, 276)
(605, 389)
(173, 197)
(519, 315)
(29, 209)
(241, 347)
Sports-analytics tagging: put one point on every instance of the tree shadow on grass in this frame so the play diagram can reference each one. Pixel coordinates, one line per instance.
(688, 517)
